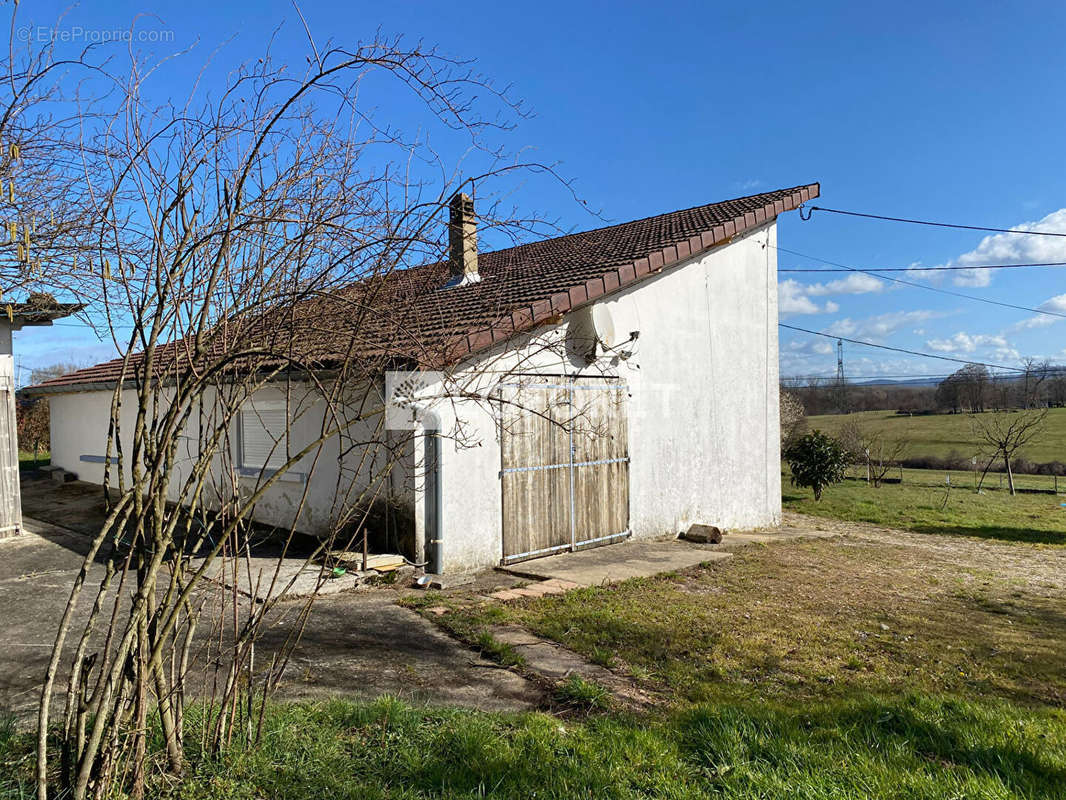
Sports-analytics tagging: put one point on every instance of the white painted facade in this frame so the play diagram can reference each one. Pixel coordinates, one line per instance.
(703, 413)
(704, 425)
(305, 496)
(11, 512)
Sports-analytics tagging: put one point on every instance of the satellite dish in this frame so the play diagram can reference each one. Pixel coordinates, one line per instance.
(591, 332)
(603, 326)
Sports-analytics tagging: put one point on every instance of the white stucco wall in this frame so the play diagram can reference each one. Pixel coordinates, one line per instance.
(703, 409)
(79, 428)
(10, 496)
(703, 413)
(79, 423)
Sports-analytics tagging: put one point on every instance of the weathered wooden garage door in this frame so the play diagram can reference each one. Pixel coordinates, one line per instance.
(565, 465)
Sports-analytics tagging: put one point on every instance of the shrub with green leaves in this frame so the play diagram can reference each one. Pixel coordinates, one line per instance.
(816, 460)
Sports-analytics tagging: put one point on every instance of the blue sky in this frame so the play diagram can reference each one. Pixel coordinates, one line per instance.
(926, 110)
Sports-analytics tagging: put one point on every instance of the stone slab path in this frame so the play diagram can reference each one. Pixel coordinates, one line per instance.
(357, 644)
(642, 559)
(555, 663)
(617, 562)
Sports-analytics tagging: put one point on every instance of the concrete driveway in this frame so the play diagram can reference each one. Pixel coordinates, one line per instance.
(358, 644)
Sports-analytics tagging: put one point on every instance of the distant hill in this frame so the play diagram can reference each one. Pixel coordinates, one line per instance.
(933, 381)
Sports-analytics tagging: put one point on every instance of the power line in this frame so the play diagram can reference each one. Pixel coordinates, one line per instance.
(869, 380)
(946, 268)
(829, 376)
(935, 224)
(900, 349)
(923, 286)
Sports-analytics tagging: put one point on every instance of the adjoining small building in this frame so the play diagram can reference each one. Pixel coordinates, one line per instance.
(41, 309)
(660, 335)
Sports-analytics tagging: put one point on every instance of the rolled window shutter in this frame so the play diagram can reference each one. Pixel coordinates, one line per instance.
(263, 430)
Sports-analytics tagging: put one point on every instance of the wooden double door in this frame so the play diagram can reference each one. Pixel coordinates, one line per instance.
(565, 464)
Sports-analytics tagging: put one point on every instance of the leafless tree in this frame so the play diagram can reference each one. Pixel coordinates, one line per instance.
(1001, 391)
(883, 455)
(39, 374)
(872, 449)
(1001, 434)
(47, 201)
(253, 243)
(852, 437)
(793, 417)
(1035, 376)
(1057, 388)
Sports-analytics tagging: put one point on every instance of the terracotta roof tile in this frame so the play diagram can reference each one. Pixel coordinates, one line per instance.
(522, 287)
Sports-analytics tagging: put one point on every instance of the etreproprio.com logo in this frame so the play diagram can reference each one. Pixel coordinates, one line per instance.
(408, 398)
(80, 34)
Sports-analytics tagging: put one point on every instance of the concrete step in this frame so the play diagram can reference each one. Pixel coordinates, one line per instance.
(59, 475)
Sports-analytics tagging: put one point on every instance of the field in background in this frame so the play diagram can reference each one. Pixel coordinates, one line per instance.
(940, 434)
(925, 504)
(964, 479)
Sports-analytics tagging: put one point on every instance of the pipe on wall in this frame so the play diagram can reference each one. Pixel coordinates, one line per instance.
(434, 543)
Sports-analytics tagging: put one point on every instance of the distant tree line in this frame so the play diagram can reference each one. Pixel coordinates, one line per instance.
(823, 396)
(1006, 412)
(971, 389)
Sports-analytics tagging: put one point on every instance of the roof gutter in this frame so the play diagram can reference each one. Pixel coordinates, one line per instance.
(551, 310)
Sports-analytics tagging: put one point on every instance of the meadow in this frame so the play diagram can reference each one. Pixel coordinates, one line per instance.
(920, 657)
(927, 503)
(943, 434)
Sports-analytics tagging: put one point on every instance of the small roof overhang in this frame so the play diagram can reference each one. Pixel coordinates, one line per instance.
(21, 315)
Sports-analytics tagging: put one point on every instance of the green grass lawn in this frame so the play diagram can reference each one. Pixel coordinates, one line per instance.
(940, 434)
(923, 503)
(834, 669)
(841, 669)
(863, 748)
(27, 461)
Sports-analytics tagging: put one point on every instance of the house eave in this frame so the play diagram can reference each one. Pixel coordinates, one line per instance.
(130, 383)
(551, 310)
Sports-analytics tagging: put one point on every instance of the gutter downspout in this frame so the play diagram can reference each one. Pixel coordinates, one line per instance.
(434, 543)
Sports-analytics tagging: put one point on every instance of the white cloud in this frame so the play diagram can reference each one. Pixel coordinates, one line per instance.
(881, 325)
(1006, 355)
(792, 299)
(1056, 304)
(1010, 248)
(963, 342)
(855, 283)
(819, 358)
(994, 346)
(1032, 322)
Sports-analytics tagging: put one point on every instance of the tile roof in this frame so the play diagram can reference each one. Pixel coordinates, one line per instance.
(522, 287)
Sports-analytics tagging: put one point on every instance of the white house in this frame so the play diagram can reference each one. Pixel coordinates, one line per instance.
(613, 383)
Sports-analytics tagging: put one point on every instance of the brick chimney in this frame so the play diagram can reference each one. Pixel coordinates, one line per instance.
(462, 241)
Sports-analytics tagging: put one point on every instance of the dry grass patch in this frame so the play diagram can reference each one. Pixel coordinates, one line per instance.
(818, 620)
